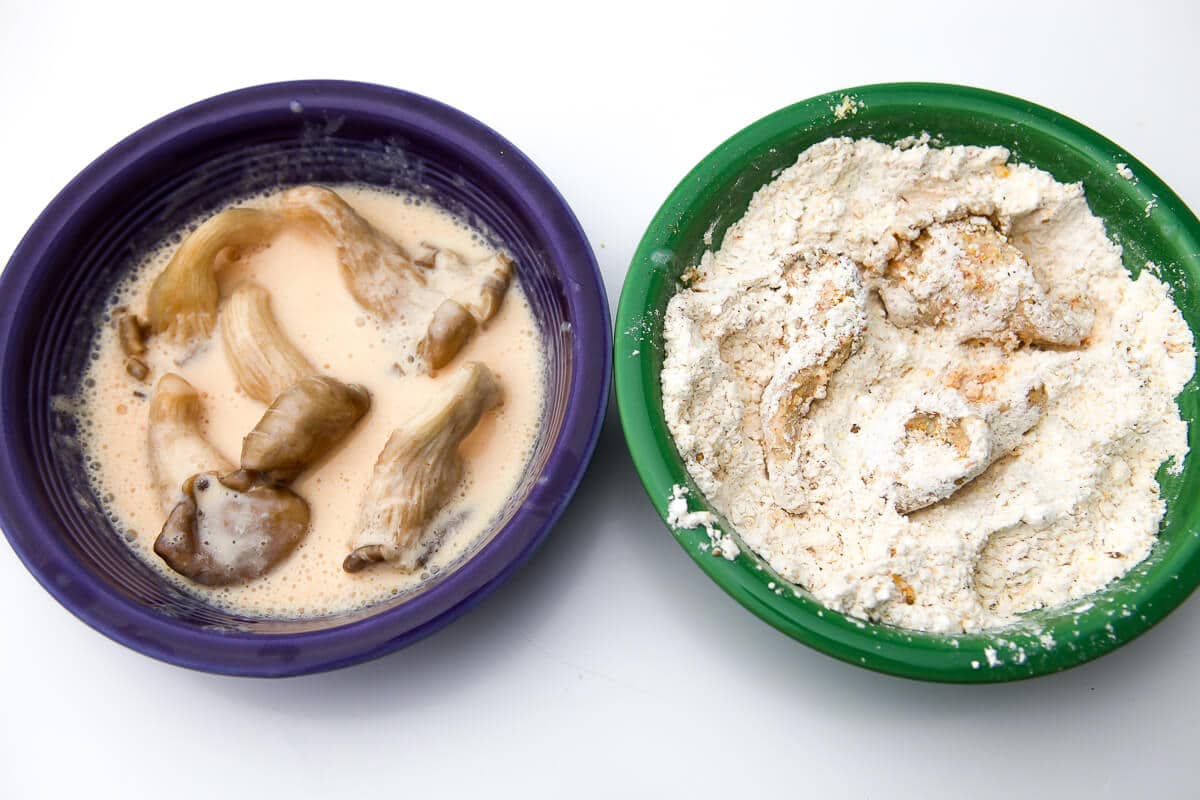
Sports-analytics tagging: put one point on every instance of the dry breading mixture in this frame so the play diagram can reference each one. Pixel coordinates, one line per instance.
(920, 383)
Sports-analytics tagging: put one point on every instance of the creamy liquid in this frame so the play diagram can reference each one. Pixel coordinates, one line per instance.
(317, 312)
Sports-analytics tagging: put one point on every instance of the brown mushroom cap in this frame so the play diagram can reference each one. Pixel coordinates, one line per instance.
(451, 327)
(305, 422)
(231, 528)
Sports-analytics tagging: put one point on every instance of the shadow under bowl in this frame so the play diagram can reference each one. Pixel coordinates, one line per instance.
(188, 164)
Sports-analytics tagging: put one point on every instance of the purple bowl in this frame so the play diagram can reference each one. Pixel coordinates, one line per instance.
(190, 163)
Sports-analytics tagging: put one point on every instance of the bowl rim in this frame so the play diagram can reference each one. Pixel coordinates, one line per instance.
(830, 632)
(264, 654)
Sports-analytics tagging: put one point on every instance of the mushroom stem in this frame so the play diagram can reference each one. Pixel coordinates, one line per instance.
(263, 359)
(375, 268)
(183, 298)
(178, 448)
(418, 471)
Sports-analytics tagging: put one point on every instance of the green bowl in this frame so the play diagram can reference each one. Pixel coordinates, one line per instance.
(1143, 215)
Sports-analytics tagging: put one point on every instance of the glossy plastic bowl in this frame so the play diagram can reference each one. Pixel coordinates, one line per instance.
(1146, 217)
(189, 163)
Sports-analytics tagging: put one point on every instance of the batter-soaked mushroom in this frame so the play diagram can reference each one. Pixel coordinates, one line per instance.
(131, 331)
(451, 327)
(231, 528)
(497, 274)
(374, 266)
(263, 359)
(418, 471)
(178, 448)
(183, 298)
(455, 320)
(306, 421)
(131, 336)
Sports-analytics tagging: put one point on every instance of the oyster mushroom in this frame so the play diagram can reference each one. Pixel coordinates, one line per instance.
(942, 441)
(386, 282)
(417, 472)
(178, 448)
(451, 327)
(497, 274)
(965, 276)
(231, 528)
(306, 420)
(183, 299)
(832, 309)
(263, 359)
(455, 320)
(374, 266)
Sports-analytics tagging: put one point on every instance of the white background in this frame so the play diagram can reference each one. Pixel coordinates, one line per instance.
(609, 665)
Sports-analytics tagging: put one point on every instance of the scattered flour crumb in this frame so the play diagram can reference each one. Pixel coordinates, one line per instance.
(849, 106)
(1125, 172)
(679, 518)
(992, 659)
(909, 142)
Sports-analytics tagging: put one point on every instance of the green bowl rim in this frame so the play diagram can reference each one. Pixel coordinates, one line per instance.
(830, 632)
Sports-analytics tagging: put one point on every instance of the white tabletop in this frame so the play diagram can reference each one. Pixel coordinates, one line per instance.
(608, 664)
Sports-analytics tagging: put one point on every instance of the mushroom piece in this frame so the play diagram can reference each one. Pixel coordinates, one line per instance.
(136, 367)
(131, 331)
(183, 298)
(834, 320)
(178, 448)
(386, 282)
(498, 272)
(943, 440)
(263, 359)
(374, 266)
(231, 528)
(967, 277)
(418, 471)
(306, 421)
(451, 327)
(455, 320)
(131, 336)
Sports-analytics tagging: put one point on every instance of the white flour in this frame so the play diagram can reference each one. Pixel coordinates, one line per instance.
(936, 431)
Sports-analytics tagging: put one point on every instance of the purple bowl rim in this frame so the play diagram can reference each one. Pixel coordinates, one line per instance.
(236, 653)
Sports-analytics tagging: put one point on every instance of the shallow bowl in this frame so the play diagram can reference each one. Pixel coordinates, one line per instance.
(190, 163)
(1150, 222)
